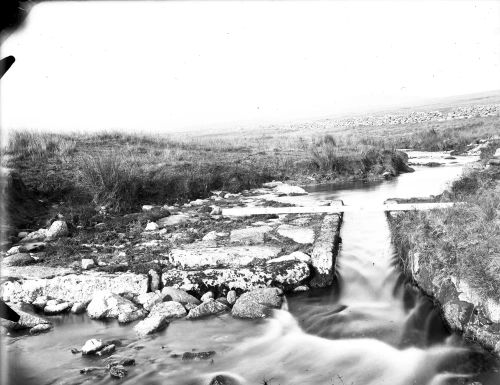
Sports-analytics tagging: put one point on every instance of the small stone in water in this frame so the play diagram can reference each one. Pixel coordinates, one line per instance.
(106, 350)
(75, 351)
(90, 369)
(117, 371)
(198, 356)
(92, 346)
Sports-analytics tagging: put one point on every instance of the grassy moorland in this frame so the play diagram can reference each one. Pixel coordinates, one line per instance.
(462, 241)
(122, 171)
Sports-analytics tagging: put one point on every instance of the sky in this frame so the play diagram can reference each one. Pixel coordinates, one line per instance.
(168, 66)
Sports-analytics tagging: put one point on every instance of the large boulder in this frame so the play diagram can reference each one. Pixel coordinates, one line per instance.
(257, 303)
(106, 304)
(169, 309)
(56, 230)
(26, 321)
(210, 307)
(18, 259)
(178, 295)
(152, 324)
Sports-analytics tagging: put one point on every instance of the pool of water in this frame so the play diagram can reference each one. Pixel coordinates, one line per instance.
(371, 327)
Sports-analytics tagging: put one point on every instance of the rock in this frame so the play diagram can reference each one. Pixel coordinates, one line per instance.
(100, 226)
(458, 313)
(272, 184)
(207, 296)
(105, 304)
(323, 257)
(154, 280)
(286, 189)
(207, 308)
(303, 235)
(22, 234)
(223, 300)
(286, 274)
(56, 230)
(250, 235)
(198, 355)
(224, 379)
(78, 308)
(216, 210)
(231, 297)
(172, 220)
(40, 302)
(87, 263)
(147, 208)
(295, 256)
(300, 289)
(497, 153)
(38, 235)
(41, 328)
(19, 259)
(117, 371)
(56, 308)
(71, 287)
(92, 346)
(197, 257)
(14, 250)
(211, 236)
(178, 295)
(152, 226)
(152, 324)
(257, 303)
(26, 321)
(148, 300)
(107, 350)
(169, 309)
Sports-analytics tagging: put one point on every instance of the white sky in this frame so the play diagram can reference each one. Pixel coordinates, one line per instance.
(174, 65)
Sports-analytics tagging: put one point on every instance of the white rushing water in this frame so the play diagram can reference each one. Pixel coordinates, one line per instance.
(369, 328)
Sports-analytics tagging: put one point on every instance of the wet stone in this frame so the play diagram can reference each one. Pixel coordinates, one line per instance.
(198, 355)
(117, 371)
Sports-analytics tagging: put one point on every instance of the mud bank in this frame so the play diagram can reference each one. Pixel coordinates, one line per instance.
(462, 306)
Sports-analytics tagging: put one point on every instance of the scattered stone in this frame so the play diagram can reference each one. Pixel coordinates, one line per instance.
(300, 289)
(38, 235)
(40, 302)
(211, 236)
(100, 226)
(210, 307)
(92, 346)
(303, 235)
(75, 351)
(154, 280)
(169, 309)
(231, 297)
(56, 230)
(295, 256)
(147, 208)
(105, 304)
(216, 210)
(56, 308)
(22, 234)
(91, 369)
(207, 296)
(173, 220)
(178, 295)
(152, 226)
(117, 371)
(78, 307)
(42, 328)
(257, 303)
(87, 263)
(18, 259)
(152, 324)
(198, 355)
(14, 250)
(250, 235)
(223, 379)
(107, 350)
(286, 189)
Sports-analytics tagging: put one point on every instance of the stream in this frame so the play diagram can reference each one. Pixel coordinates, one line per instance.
(371, 327)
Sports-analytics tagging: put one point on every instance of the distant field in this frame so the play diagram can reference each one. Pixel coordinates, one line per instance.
(122, 171)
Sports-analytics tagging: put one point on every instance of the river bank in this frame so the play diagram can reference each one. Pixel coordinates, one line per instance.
(452, 254)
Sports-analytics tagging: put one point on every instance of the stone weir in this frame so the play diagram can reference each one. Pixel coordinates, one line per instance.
(462, 307)
(195, 250)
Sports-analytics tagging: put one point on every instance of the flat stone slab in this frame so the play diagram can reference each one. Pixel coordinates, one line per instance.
(250, 235)
(298, 234)
(287, 275)
(323, 256)
(74, 287)
(35, 272)
(230, 256)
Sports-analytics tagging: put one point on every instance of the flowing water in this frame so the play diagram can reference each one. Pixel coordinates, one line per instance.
(371, 327)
